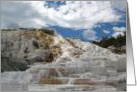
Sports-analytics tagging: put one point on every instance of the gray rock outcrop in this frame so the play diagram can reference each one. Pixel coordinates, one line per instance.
(17, 51)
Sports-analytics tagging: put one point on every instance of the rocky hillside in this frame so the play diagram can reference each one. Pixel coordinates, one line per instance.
(37, 60)
(23, 48)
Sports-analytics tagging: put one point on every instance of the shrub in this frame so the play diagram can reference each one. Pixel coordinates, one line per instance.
(116, 42)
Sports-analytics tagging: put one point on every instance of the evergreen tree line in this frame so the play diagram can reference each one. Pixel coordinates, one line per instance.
(112, 41)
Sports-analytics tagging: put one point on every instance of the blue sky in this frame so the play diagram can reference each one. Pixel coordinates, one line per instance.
(100, 34)
(86, 20)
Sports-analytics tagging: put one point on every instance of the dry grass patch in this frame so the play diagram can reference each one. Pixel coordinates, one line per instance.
(56, 51)
(50, 81)
(84, 82)
(45, 40)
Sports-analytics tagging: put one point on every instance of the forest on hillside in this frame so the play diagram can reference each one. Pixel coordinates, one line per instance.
(116, 44)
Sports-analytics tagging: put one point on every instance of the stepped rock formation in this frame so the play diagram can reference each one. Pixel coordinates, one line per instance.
(38, 61)
(22, 48)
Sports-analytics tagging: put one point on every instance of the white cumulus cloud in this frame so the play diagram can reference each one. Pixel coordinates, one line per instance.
(106, 31)
(74, 14)
(119, 31)
(116, 34)
(90, 35)
(121, 6)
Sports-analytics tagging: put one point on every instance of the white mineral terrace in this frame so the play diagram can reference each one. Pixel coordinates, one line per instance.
(95, 69)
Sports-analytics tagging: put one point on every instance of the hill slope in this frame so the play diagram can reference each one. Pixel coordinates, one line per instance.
(50, 62)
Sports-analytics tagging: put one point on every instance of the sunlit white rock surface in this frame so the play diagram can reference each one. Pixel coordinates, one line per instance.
(82, 66)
